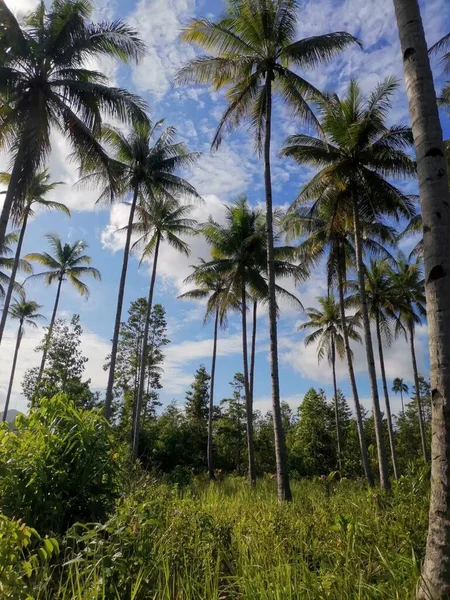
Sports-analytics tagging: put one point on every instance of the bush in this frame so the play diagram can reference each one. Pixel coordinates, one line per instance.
(58, 467)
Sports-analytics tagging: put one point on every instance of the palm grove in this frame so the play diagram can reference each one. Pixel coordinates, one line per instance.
(349, 217)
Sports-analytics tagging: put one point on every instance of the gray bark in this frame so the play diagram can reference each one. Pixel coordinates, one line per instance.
(253, 350)
(435, 202)
(211, 401)
(284, 490)
(382, 461)
(13, 371)
(115, 340)
(423, 441)
(336, 408)
(248, 399)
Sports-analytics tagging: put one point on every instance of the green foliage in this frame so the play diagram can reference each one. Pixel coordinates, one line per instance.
(64, 367)
(197, 398)
(58, 466)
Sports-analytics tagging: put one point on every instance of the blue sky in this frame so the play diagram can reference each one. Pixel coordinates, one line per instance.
(219, 178)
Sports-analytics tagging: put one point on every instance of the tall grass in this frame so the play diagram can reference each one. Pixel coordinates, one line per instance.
(336, 540)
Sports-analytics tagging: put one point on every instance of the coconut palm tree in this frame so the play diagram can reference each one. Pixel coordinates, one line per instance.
(24, 311)
(40, 186)
(409, 289)
(327, 325)
(381, 304)
(435, 199)
(46, 86)
(239, 254)
(148, 162)
(357, 155)
(252, 53)
(7, 264)
(66, 263)
(159, 219)
(400, 387)
(211, 286)
(442, 47)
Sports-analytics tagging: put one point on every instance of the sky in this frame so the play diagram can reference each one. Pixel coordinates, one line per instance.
(220, 178)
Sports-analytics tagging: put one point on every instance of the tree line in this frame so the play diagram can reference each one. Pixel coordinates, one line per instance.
(347, 212)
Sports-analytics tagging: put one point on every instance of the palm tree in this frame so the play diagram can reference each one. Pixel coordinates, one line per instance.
(211, 286)
(327, 325)
(381, 302)
(147, 165)
(357, 155)
(409, 289)
(239, 253)
(39, 187)
(25, 311)
(435, 200)
(400, 387)
(443, 45)
(159, 219)
(250, 53)
(7, 264)
(67, 263)
(46, 86)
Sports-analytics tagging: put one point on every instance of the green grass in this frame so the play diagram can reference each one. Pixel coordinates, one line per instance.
(224, 542)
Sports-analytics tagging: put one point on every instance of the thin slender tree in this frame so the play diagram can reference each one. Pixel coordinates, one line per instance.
(39, 187)
(148, 161)
(158, 220)
(47, 86)
(66, 263)
(357, 155)
(400, 387)
(24, 311)
(252, 52)
(327, 325)
(435, 202)
(7, 264)
(212, 287)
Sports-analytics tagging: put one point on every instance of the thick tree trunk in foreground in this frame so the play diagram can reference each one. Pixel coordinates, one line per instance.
(423, 441)
(115, 340)
(211, 401)
(140, 394)
(248, 398)
(284, 490)
(435, 202)
(13, 371)
(351, 372)
(336, 408)
(48, 339)
(386, 400)
(12, 278)
(378, 423)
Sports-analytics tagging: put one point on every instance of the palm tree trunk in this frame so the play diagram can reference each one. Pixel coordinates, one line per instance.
(378, 422)
(140, 396)
(252, 355)
(115, 340)
(13, 371)
(423, 441)
(351, 372)
(403, 406)
(12, 278)
(50, 330)
(16, 175)
(248, 398)
(435, 202)
(336, 408)
(211, 401)
(386, 399)
(284, 490)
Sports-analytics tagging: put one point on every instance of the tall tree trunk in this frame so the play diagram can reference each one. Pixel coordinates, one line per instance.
(13, 371)
(115, 340)
(386, 399)
(423, 441)
(284, 489)
(211, 401)
(403, 406)
(351, 372)
(336, 407)
(12, 278)
(378, 422)
(435, 202)
(253, 350)
(140, 396)
(48, 338)
(248, 398)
